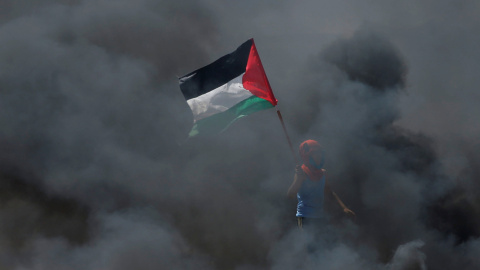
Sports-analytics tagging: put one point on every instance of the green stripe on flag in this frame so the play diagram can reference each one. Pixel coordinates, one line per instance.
(221, 121)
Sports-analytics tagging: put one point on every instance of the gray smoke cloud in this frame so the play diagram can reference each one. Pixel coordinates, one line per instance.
(96, 171)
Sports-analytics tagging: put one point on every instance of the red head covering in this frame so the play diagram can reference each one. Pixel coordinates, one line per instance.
(306, 148)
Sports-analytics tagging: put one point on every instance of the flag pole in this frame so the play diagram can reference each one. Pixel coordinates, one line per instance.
(286, 135)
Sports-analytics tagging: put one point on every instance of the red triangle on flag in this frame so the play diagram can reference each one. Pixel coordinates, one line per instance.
(255, 80)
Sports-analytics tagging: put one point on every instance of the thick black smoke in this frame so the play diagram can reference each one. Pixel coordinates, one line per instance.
(96, 171)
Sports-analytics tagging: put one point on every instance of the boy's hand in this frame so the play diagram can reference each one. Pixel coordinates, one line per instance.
(349, 213)
(299, 172)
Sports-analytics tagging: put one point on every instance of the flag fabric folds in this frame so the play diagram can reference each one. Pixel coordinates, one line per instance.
(230, 88)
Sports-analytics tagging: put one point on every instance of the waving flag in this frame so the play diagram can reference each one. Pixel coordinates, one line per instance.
(232, 87)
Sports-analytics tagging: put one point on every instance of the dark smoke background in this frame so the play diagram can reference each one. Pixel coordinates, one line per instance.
(96, 171)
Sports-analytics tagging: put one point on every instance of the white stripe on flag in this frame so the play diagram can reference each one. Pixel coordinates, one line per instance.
(219, 99)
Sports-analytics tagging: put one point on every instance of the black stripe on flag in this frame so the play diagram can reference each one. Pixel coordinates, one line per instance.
(216, 74)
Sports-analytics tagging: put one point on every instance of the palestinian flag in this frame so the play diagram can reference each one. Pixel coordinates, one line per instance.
(232, 87)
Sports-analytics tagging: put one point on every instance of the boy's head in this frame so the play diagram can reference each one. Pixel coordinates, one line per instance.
(312, 153)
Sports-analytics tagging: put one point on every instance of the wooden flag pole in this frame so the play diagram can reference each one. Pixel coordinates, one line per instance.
(288, 138)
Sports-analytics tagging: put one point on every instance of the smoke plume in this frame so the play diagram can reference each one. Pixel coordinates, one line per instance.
(96, 171)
